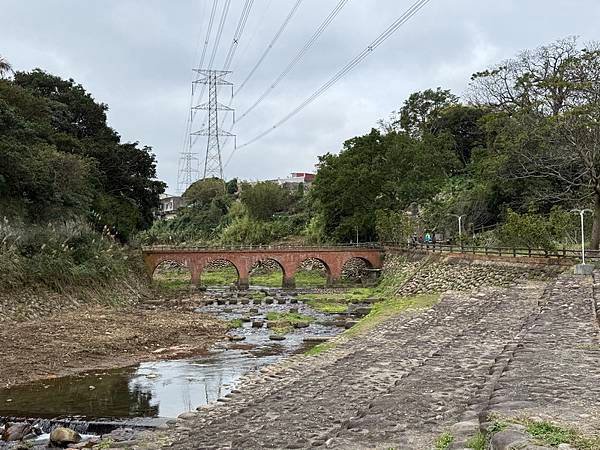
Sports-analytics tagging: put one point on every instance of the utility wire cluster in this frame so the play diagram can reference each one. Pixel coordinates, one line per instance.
(347, 68)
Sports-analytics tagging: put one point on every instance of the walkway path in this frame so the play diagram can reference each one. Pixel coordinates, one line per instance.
(409, 379)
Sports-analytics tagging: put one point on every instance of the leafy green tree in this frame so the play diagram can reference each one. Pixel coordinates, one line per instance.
(264, 199)
(202, 192)
(378, 172)
(232, 186)
(419, 110)
(59, 157)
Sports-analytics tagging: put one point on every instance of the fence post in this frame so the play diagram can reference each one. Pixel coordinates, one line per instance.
(529, 252)
(514, 252)
(486, 251)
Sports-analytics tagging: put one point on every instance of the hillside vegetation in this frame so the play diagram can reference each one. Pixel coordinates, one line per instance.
(71, 195)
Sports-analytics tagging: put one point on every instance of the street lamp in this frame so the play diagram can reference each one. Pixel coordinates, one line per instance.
(459, 225)
(581, 214)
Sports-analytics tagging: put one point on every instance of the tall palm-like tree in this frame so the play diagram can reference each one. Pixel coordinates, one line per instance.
(5, 67)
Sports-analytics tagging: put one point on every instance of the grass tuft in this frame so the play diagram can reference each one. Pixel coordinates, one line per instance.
(444, 441)
(478, 442)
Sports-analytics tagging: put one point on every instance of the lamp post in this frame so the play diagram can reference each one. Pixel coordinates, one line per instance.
(581, 214)
(459, 225)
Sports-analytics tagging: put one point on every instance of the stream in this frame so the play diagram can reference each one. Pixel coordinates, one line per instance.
(148, 394)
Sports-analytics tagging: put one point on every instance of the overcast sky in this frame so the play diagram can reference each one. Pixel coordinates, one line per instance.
(137, 56)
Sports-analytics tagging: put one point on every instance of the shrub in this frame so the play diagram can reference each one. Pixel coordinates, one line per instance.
(59, 255)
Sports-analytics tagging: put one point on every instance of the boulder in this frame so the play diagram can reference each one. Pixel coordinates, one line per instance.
(237, 337)
(61, 437)
(277, 337)
(16, 432)
(508, 439)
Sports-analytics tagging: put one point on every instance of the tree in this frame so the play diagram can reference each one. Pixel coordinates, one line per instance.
(378, 172)
(5, 67)
(548, 121)
(264, 199)
(59, 157)
(542, 81)
(232, 186)
(202, 192)
(419, 110)
(462, 124)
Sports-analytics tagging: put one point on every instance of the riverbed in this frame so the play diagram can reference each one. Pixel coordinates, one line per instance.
(149, 393)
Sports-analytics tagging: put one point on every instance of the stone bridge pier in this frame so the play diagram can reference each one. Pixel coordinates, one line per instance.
(288, 259)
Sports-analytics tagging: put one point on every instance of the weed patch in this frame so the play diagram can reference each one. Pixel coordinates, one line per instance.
(444, 441)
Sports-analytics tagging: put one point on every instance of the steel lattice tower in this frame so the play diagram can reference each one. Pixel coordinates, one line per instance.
(189, 163)
(213, 165)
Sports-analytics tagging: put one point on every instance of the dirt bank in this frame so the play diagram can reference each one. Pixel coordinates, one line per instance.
(95, 337)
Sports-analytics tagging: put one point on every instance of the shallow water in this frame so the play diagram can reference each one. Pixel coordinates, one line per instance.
(163, 389)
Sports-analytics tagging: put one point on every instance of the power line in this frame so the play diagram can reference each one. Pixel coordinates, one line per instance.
(219, 33)
(255, 31)
(215, 48)
(222, 21)
(298, 57)
(188, 165)
(262, 57)
(206, 40)
(238, 33)
(270, 46)
(347, 68)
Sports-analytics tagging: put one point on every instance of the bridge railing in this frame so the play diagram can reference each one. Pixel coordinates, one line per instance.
(349, 246)
(563, 253)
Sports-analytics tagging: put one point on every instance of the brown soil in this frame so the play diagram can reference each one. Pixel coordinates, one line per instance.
(102, 337)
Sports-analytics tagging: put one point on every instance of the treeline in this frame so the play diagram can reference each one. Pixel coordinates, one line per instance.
(70, 191)
(61, 161)
(514, 156)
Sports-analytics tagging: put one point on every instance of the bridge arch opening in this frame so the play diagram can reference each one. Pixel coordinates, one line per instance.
(312, 272)
(219, 272)
(173, 275)
(357, 270)
(266, 272)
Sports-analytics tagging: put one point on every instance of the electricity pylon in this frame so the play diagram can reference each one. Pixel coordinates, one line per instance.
(213, 164)
(189, 163)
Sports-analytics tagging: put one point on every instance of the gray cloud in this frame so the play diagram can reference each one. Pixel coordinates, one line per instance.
(137, 56)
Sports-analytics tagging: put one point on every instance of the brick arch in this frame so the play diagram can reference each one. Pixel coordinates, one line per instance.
(321, 260)
(361, 258)
(285, 269)
(205, 262)
(155, 262)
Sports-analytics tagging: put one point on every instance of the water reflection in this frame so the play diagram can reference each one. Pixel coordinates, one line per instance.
(155, 389)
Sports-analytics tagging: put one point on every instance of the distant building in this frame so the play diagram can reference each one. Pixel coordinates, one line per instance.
(169, 204)
(295, 179)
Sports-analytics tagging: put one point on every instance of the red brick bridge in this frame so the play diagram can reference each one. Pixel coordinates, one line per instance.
(288, 258)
